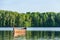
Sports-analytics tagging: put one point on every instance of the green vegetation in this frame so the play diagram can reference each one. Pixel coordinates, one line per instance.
(29, 19)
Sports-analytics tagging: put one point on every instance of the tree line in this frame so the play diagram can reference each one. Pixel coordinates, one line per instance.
(29, 19)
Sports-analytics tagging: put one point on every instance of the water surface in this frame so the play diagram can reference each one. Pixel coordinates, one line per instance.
(40, 35)
(6, 35)
(31, 34)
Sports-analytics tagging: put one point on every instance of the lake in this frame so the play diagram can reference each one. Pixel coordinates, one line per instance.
(31, 34)
(6, 35)
(40, 35)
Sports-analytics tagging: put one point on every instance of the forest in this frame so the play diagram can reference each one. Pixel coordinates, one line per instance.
(29, 19)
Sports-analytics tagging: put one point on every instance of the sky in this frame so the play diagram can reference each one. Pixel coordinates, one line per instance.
(30, 5)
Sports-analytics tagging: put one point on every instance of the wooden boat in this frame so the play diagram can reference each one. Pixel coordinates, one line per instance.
(19, 32)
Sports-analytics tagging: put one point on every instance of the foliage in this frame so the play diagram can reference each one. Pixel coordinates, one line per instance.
(29, 19)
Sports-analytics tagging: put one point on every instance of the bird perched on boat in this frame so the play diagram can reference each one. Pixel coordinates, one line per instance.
(19, 32)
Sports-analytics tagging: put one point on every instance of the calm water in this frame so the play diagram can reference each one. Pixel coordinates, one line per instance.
(40, 35)
(6, 35)
(31, 35)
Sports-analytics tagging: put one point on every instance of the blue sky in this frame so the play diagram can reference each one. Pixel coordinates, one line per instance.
(30, 5)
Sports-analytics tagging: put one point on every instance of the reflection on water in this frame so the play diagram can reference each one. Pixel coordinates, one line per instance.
(6, 35)
(31, 35)
(20, 38)
(40, 35)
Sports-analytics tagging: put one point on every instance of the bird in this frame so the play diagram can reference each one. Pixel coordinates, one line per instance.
(25, 28)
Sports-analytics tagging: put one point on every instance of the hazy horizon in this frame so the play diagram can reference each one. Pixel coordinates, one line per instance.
(30, 5)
